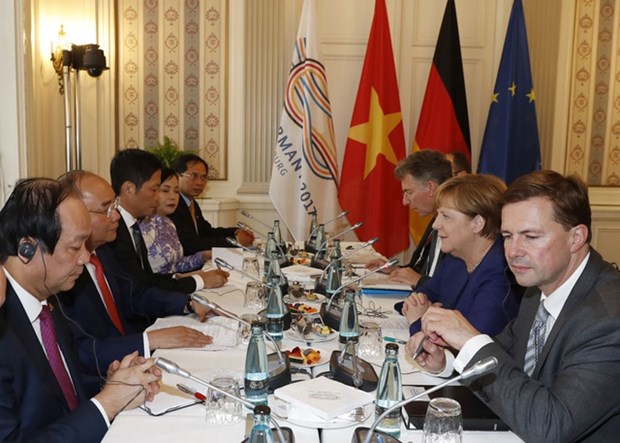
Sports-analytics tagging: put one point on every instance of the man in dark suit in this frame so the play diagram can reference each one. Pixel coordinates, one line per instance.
(136, 176)
(102, 306)
(43, 229)
(196, 233)
(420, 175)
(558, 377)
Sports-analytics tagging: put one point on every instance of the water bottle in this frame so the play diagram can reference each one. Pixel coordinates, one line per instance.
(275, 271)
(270, 247)
(277, 234)
(349, 331)
(314, 227)
(261, 431)
(256, 376)
(276, 310)
(320, 239)
(334, 273)
(389, 392)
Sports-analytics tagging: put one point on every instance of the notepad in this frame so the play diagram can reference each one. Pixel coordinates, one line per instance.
(323, 397)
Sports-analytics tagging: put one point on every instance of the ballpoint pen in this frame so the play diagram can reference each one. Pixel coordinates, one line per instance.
(190, 391)
(419, 349)
(395, 340)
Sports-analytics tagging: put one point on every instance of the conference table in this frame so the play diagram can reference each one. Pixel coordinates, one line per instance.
(189, 424)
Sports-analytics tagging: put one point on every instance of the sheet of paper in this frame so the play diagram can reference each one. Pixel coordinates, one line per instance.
(222, 329)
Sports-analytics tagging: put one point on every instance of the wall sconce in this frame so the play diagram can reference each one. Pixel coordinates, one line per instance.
(87, 58)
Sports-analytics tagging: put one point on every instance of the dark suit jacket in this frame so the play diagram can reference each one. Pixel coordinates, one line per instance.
(574, 391)
(421, 259)
(128, 259)
(32, 406)
(488, 297)
(207, 236)
(98, 340)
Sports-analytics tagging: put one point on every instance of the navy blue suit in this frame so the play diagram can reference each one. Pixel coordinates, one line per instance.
(137, 306)
(488, 297)
(32, 406)
(207, 236)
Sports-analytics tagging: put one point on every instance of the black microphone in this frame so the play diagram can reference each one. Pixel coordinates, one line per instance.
(370, 242)
(250, 216)
(346, 231)
(481, 367)
(233, 242)
(279, 366)
(173, 368)
(374, 271)
(342, 214)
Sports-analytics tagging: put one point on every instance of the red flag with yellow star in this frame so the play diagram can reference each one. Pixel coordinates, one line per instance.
(376, 142)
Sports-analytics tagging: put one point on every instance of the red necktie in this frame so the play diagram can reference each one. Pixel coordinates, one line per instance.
(50, 343)
(110, 304)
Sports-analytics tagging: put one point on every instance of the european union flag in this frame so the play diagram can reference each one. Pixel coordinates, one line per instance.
(510, 147)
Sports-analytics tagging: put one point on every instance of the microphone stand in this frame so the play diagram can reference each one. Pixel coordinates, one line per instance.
(374, 271)
(370, 242)
(250, 216)
(172, 368)
(342, 214)
(346, 231)
(281, 374)
(479, 368)
(247, 228)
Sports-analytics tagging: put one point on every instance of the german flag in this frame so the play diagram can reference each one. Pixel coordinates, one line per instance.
(443, 123)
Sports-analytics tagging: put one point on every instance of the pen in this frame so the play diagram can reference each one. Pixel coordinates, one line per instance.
(419, 349)
(190, 391)
(395, 340)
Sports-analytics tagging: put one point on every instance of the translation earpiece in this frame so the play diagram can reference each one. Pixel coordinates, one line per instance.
(26, 251)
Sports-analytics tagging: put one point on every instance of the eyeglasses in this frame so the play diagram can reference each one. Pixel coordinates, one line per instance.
(194, 176)
(108, 212)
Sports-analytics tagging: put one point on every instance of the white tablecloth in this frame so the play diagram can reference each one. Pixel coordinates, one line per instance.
(189, 424)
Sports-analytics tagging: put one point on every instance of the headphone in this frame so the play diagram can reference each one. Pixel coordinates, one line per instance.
(26, 250)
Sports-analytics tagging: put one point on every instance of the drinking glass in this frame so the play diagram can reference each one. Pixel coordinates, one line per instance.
(443, 422)
(370, 341)
(223, 410)
(255, 296)
(251, 266)
(245, 330)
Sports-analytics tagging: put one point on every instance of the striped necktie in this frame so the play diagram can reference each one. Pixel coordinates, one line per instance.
(536, 340)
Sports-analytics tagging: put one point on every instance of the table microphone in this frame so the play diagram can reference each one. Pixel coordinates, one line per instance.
(370, 242)
(480, 367)
(173, 368)
(279, 363)
(250, 216)
(248, 228)
(340, 234)
(342, 214)
(374, 271)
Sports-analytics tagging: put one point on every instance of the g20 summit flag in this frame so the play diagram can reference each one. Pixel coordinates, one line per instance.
(304, 177)
(376, 142)
(510, 147)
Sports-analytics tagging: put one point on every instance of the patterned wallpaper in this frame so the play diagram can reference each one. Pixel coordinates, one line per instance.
(172, 76)
(594, 116)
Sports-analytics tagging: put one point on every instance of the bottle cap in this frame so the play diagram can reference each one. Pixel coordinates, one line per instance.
(262, 410)
(391, 347)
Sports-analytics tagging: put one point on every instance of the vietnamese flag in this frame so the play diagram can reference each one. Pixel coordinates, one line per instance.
(444, 122)
(376, 143)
